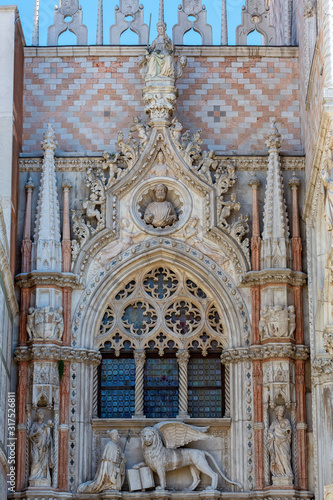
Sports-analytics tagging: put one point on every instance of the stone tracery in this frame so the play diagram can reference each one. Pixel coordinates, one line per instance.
(178, 311)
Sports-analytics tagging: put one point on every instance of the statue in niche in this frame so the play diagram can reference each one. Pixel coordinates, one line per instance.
(160, 213)
(327, 179)
(279, 445)
(160, 56)
(110, 474)
(191, 236)
(41, 451)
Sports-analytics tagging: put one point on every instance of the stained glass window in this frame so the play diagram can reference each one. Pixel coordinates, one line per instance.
(161, 387)
(205, 387)
(117, 387)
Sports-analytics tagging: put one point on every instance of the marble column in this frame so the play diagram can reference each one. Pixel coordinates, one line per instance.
(26, 241)
(140, 359)
(183, 357)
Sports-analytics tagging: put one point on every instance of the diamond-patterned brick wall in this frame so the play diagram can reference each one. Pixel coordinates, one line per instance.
(89, 99)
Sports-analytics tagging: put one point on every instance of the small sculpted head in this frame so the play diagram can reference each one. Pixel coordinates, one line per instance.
(40, 415)
(161, 28)
(160, 192)
(148, 436)
(280, 410)
(114, 435)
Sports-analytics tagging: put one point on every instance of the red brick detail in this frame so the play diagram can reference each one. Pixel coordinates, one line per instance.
(25, 304)
(63, 432)
(21, 420)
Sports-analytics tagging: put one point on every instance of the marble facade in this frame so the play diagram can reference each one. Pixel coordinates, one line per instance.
(178, 208)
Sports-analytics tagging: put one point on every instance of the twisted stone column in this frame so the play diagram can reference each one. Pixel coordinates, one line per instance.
(140, 359)
(183, 357)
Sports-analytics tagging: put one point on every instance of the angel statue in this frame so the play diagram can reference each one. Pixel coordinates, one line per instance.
(162, 458)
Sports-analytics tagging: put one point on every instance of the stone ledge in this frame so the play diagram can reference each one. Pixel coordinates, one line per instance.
(135, 50)
(264, 352)
(269, 494)
(55, 353)
(68, 162)
(273, 276)
(36, 278)
(136, 424)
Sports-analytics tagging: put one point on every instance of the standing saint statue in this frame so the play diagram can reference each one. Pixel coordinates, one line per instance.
(160, 213)
(327, 179)
(279, 441)
(41, 451)
(110, 474)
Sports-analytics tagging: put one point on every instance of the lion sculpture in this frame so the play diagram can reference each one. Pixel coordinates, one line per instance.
(162, 458)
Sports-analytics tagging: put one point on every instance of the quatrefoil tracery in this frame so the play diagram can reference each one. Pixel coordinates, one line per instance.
(161, 309)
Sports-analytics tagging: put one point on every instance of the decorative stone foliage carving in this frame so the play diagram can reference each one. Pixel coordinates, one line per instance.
(328, 340)
(41, 451)
(279, 443)
(255, 16)
(110, 474)
(136, 12)
(277, 321)
(68, 16)
(161, 459)
(187, 314)
(199, 24)
(45, 323)
(95, 211)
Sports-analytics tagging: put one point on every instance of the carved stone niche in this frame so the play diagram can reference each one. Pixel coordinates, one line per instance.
(159, 217)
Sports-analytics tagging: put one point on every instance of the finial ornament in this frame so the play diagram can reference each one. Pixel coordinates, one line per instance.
(49, 142)
(273, 141)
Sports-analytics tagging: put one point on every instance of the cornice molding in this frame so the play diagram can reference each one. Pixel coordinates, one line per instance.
(36, 278)
(273, 276)
(65, 163)
(264, 352)
(53, 352)
(136, 50)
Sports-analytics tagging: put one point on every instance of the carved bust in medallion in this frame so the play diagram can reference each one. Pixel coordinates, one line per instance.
(160, 213)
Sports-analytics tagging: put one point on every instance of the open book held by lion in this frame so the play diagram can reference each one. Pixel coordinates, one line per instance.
(162, 458)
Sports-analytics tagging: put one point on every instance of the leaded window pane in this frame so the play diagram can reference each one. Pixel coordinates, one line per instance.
(161, 388)
(205, 398)
(117, 387)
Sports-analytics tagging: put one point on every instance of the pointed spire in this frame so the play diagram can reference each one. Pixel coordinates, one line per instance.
(35, 29)
(224, 24)
(161, 13)
(99, 34)
(275, 249)
(46, 251)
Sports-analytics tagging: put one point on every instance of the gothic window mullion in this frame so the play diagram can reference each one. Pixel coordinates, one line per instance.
(140, 359)
(183, 357)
